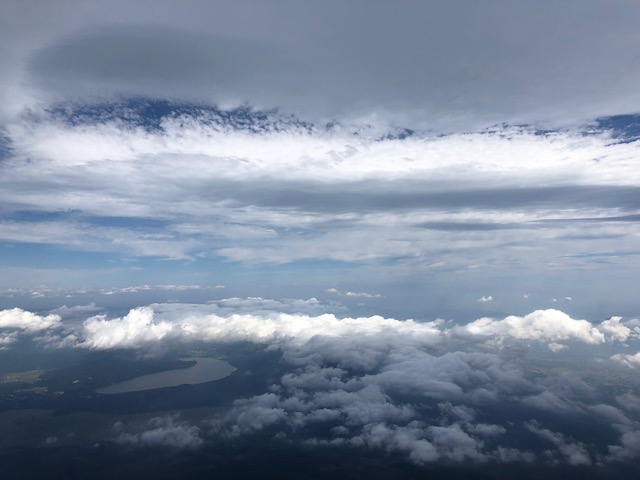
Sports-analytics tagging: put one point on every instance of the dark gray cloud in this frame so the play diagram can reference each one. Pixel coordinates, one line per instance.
(437, 64)
(374, 195)
(150, 60)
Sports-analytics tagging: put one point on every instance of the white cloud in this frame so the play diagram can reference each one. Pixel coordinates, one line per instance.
(22, 320)
(542, 325)
(484, 299)
(140, 328)
(221, 200)
(262, 320)
(7, 339)
(353, 294)
(300, 329)
(614, 329)
(628, 360)
(556, 347)
(134, 330)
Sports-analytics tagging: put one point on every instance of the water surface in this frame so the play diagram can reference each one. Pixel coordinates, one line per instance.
(205, 370)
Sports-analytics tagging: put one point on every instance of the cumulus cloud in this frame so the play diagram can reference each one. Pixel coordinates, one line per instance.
(362, 412)
(22, 320)
(262, 320)
(628, 422)
(542, 325)
(574, 453)
(426, 390)
(615, 329)
(556, 347)
(423, 445)
(630, 360)
(484, 299)
(628, 449)
(135, 329)
(141, 327)
(167, 431)
(299, 329)
(7, 339)
(351, 373)
(629, 402)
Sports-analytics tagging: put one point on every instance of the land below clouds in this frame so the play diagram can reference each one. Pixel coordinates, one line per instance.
(374, 396)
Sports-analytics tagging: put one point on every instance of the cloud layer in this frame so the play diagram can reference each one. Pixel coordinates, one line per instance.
(442, 64)
(295, 194)
(430, 392)
(118, 186)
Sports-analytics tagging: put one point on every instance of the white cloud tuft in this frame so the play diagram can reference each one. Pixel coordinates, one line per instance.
(135, 329)
(353, 294)
(615, 330)
(556, 347)
(19, 319)
(138, 328)
(628, 360)
(7, 339)
(541, 325)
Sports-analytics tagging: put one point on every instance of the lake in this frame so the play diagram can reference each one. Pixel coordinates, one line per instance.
(205, 370)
